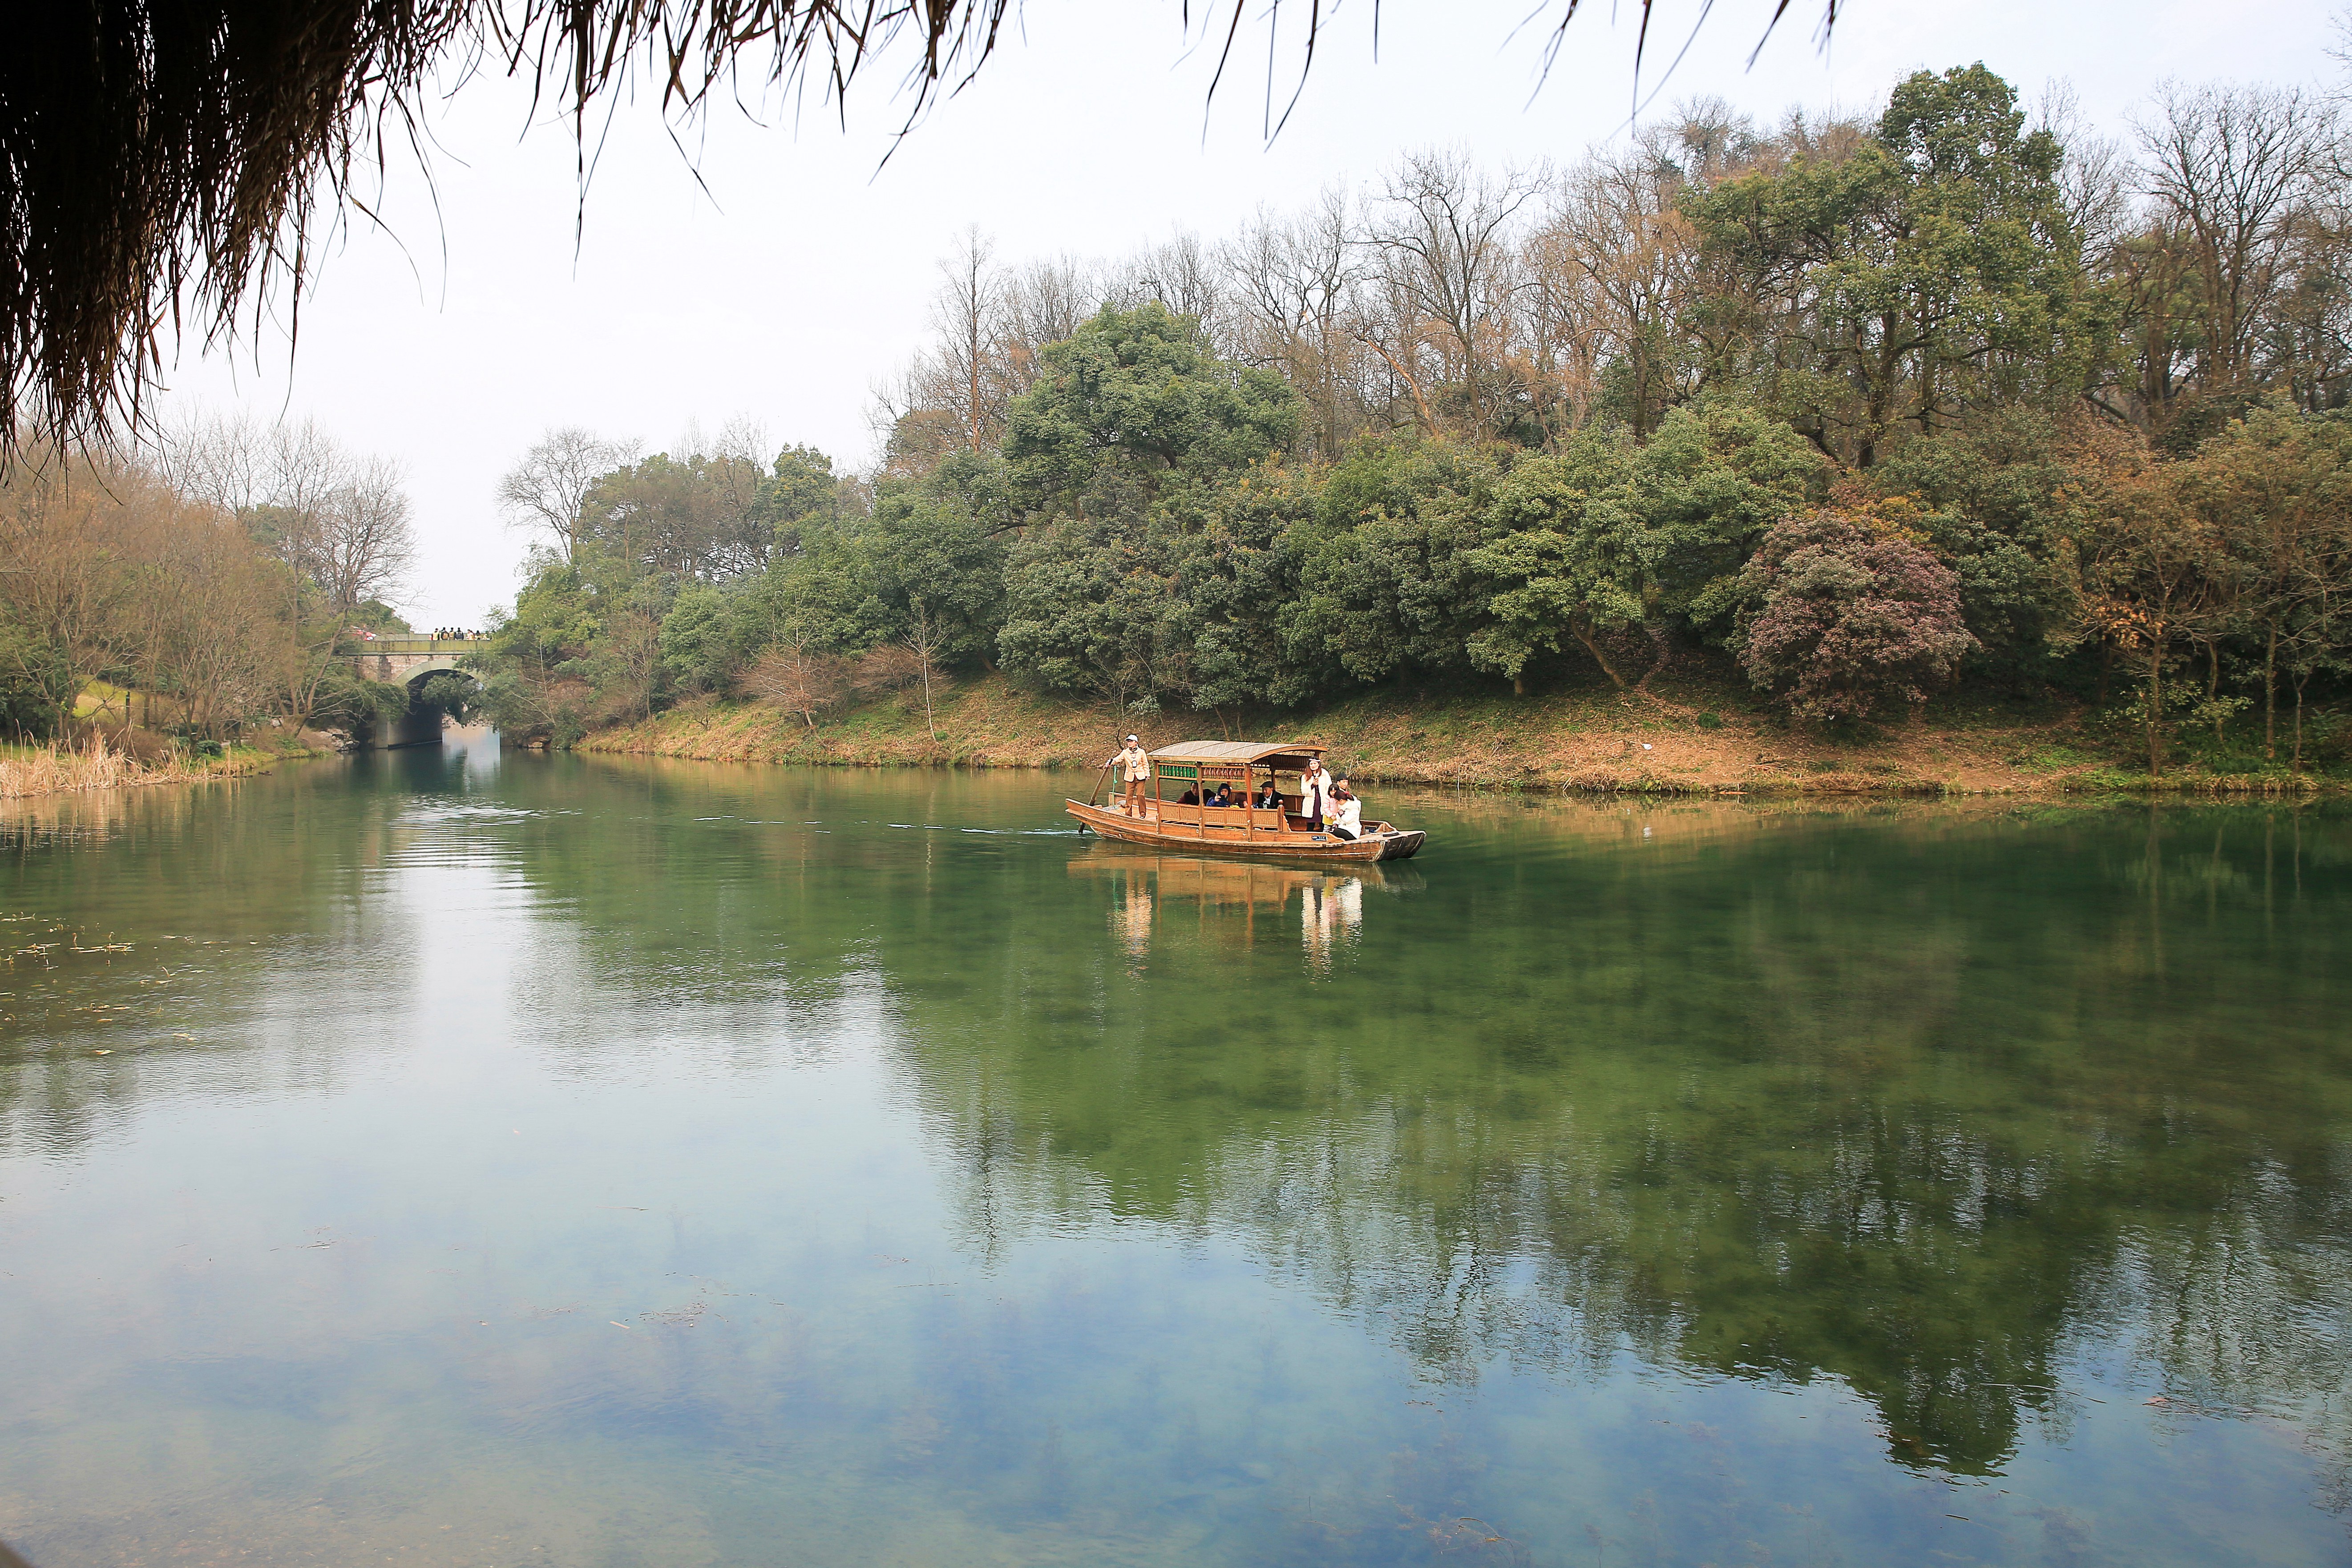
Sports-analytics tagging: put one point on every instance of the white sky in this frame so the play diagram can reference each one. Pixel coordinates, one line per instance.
(800, 277)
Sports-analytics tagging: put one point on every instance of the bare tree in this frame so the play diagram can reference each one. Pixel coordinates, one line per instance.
(226, 643)
(633, 644)
(2234, 168)
(735, 465)
(360, 545)
(341, 521)
(796, 678)
(884, 668)
(1443, 233)
(221, 459)
(544, 493)
(967, 312)
(233, 462)
(1611, 273)
(108, 569)
(1292, 284)
(2096, 179)
(1045, 302)
(65, 536)
(925, 643)
(1182, 274)
(954, 395)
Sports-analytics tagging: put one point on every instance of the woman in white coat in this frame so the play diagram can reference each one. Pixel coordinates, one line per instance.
(1347, 811)
(1314, 791)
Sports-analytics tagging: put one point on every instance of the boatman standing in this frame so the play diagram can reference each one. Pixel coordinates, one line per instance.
(1137, 762)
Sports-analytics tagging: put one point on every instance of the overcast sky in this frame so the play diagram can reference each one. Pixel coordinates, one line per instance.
(796, 275)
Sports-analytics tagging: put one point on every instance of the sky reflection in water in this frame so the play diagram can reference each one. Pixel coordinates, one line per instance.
(578, 1161)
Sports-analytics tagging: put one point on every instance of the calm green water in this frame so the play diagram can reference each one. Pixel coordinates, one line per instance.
(529, 1161)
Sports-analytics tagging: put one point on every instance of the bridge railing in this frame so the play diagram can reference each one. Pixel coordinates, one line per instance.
(356, 647)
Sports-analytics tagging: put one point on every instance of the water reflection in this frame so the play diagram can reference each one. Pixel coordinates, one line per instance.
(1234, 902)
(1919, 1118)
(1986, 1117)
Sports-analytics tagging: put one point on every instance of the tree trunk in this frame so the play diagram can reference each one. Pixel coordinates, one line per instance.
(2270, 697)
(2214, 683)
(1662, 650)
(2154, 709)
(1640, 395)
(2302, 681)
(1583, 633)
(1420, 403)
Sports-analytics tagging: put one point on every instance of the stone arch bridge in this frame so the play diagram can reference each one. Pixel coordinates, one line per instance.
(404, 661)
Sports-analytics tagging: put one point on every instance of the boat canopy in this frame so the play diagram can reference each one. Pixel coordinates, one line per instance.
(1236, 751)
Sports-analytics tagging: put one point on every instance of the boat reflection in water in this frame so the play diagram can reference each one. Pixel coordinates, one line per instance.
(1236, 903)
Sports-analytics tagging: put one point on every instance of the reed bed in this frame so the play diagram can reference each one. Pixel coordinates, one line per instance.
(54, 769)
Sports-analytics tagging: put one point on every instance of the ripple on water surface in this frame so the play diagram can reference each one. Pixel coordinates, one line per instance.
(481, 1159)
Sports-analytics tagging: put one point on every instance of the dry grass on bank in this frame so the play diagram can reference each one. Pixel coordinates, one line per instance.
(1688, 737)
(52, 768)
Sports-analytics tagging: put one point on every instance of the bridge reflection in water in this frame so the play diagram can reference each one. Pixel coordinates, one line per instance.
(408, 661)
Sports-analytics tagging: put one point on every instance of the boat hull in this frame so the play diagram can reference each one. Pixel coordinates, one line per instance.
(1384, 843)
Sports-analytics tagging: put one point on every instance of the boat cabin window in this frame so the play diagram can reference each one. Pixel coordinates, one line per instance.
(1185, 781)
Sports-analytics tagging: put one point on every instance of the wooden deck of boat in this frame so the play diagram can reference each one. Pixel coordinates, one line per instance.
(1241, 831)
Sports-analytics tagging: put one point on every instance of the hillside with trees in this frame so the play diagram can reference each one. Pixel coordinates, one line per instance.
(1958, 405)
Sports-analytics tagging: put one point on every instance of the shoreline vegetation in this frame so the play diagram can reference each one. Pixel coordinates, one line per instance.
(53, 767)
(1684, 739)
(1945, 448)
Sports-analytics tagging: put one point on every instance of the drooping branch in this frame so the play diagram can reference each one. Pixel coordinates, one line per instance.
(167, 167)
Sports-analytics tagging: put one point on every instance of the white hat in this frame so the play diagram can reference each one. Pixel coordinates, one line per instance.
(1131, 737)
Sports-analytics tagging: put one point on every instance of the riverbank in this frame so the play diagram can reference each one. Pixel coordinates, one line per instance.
(1690, 738)
(56, 768)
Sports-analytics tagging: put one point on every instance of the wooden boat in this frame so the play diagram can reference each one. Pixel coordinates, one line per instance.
(1195, 767)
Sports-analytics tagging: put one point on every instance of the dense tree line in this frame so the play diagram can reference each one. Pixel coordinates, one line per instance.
(211, 580)
(1961, 393)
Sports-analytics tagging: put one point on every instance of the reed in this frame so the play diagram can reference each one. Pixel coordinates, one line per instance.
(52, 769)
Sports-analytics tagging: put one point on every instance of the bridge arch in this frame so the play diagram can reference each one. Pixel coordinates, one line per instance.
(404, 661)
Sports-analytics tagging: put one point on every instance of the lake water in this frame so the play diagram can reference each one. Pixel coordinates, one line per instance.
(515, 1159)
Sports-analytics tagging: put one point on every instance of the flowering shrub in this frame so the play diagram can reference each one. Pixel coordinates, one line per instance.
(1850, 612)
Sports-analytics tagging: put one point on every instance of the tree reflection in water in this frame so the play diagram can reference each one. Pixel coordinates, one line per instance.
(1938, 1105)
(1923, 1111)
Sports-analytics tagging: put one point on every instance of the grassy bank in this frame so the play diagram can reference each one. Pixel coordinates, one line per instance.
(52, 768)
(1688, 737)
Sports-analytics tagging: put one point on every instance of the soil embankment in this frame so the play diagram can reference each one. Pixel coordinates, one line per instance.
(1689, 740)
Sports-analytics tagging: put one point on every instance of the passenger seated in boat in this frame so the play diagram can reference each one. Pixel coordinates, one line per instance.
(1347, 811)
(1269, 798)
(1224, 797)
(1189, 797)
